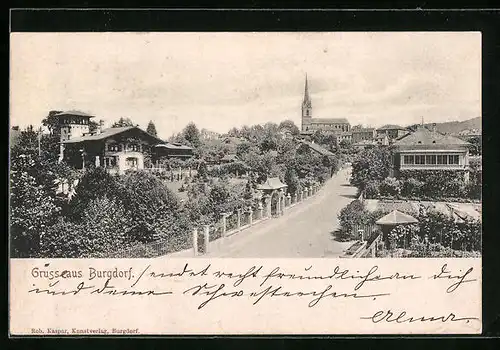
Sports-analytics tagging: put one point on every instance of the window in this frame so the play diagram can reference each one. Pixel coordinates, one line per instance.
(113, 147)
(419, 159)
(110, 162)
(409, 159)
(132, 162)
(442, 159)
(430, 159)
(453, 159)
(133, 148)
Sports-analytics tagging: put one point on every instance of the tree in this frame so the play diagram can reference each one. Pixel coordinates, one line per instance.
(151, 129)
(292, 180)
(233, 132)
(94, 126)
(51, 121)
(475, 146)
(289, 125)
(153, 208)
(202, 174)
(32, 209)
(344, 144)
(95, 183)
(371, 165)
(101, 233)
(122, 122)
(192, 134)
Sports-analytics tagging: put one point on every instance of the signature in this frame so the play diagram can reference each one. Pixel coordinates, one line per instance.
(402, 317)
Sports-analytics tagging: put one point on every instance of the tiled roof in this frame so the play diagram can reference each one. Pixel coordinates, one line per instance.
(396, 217)
(78, 113)
(108, 133)
(391, 127)
(169, 145)
(318, 148)
(272, 183)
(425, 137)
(328, 120)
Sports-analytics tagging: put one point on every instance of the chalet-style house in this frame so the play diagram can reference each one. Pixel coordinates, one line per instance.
(393, 132)
(427, 149)
(117, 149)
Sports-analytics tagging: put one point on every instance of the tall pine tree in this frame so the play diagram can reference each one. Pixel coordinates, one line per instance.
(151, 129)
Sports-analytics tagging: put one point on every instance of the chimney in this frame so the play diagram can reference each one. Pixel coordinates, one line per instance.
(433, 126)
(101, 126)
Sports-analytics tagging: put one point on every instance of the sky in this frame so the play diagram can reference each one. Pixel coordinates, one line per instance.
(222, 80)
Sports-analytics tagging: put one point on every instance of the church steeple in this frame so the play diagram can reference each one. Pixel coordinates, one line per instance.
(306, 103)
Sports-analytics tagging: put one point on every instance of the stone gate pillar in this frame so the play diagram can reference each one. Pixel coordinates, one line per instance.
(238, 224)
(206, 236)
(195, 241)
(289, 199)
(281, 202)
(268, 205)
(250, 214)
(224, 224)
(260, 210)
(294, 198)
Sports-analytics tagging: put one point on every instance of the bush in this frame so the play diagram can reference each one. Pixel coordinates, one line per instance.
(390, 187)
(95, 183)
(153, 208)
(411, 187)
(438, 183)
(101, 232)
(372, 189)
(353, 214)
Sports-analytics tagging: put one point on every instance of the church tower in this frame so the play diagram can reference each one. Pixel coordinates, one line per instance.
(306, 107)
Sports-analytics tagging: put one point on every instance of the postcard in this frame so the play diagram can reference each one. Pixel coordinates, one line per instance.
(169, 183)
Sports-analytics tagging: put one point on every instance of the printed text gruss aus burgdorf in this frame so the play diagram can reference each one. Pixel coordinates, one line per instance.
(91, 273)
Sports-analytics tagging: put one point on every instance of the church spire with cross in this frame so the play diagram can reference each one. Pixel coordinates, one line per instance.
(306, 103)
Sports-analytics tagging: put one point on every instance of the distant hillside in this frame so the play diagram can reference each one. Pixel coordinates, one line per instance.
(456, 127)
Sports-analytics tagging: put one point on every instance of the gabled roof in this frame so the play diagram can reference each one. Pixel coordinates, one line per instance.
(77, 113)
(425, 138)
(109, 133)
(169, 145)
(396, 217)
(317, 148)
(272, 183)
(328, 120)
(391, 127)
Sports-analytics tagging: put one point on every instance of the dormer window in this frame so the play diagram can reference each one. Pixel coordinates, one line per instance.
(434, 141)
(419, 141)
